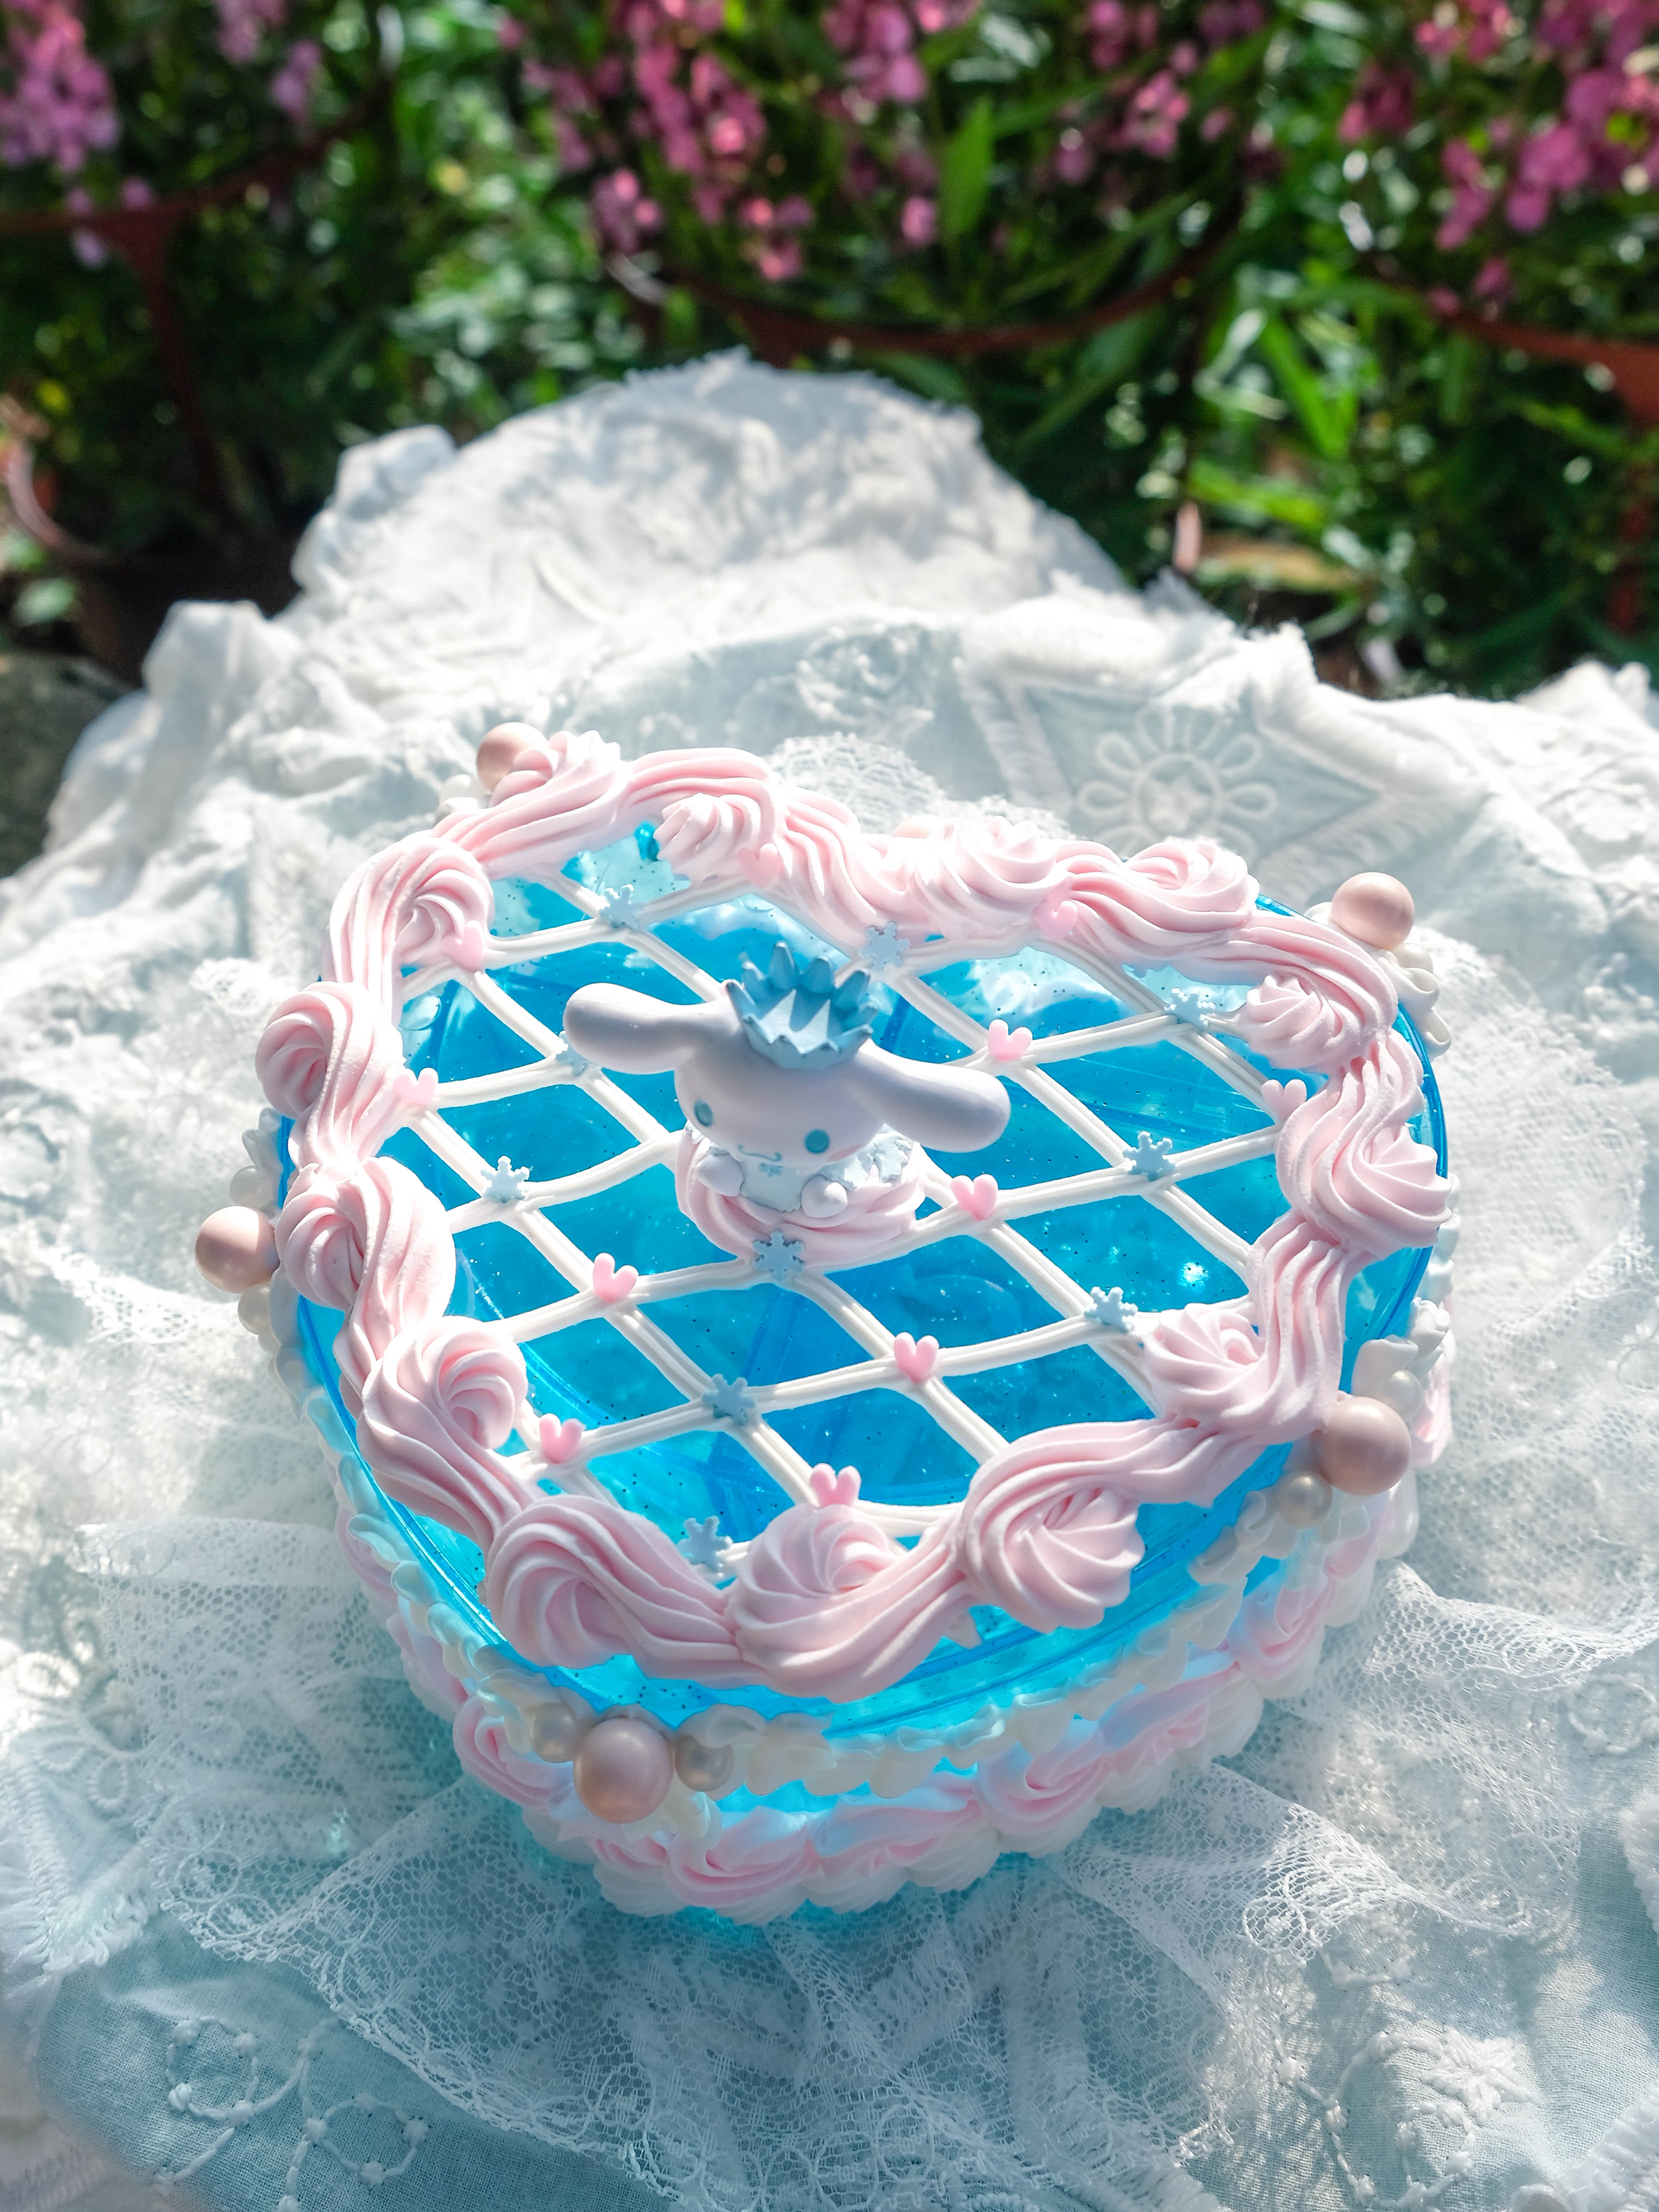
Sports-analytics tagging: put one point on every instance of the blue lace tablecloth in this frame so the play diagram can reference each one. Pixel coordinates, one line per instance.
(264, 1948)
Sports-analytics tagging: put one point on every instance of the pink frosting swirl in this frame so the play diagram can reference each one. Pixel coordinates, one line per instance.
(977, 884)
(827, 1605)
(481, 1745)
(1266, 1371)
(1348, 1162)
(1026, 1795)
(332, 1059)
(1047, 1528)
(406, 907)
(863, 1838)
(1277, 1635)
(375, 1244)
(715, 810)
(753, 1869)
(572, 1581)
(1159, 905)
(1322, 999)
(875, 1216)
(561, 799)
(435, 1406)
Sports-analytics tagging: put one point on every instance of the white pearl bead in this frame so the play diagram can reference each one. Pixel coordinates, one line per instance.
(1303, 1497)
(501, 747)
(1376, 908)
(236, 1248)
(623, 1769)
(704, 1765)
(557, 1729)
(1363, 1449)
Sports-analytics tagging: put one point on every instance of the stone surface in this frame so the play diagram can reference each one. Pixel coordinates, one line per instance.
(46, 700)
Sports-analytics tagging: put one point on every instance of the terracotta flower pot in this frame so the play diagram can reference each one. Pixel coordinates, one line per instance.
(123, 598)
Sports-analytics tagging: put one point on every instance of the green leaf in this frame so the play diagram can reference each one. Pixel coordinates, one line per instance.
(1328, 418)
(964, 175)
(1253, 499)
(1110, 357)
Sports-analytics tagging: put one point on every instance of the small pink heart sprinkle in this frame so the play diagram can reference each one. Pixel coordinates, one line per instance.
(765, 863)
(828, 1488)
(1282, 1099)
(559, 1440)
(417, 1092)
(978, 1198)
(1008, 1044)
(471, 949)
(916, 1360)
(1060, 917)
(613, 1284)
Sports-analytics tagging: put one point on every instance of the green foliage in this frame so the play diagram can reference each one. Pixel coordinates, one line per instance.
(427, 266)
(1429, 506)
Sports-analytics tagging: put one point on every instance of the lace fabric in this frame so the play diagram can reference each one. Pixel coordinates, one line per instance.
(1392, 1944)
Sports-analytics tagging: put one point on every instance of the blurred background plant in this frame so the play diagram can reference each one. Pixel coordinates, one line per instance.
(1249, 287)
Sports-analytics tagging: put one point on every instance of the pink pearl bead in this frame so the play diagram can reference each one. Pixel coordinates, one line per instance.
(1377, 910)
(501, 747)
(622, 1768)
(1363, 1449)
(236, 1249)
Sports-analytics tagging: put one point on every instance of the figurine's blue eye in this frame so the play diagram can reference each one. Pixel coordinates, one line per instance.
(817, 1141)
(704, 1114)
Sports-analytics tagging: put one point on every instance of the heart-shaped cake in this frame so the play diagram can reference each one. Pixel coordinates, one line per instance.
(844, 1354)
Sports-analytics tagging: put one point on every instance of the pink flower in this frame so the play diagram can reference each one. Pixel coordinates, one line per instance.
(1494, 282)
(780, 261)
(1222, 22)
(297, 80)
(1074, 157)
(56, 101)
(919, 221)
(1155, 113)
(509, 33)
(1216, 124)
(876, 37)
(243, 25)
(1382, 106)
(1443, 300)
(1473, 199)
(86, 247)
(623, 215)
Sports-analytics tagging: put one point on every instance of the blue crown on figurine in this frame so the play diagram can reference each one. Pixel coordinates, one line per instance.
(801, 1016)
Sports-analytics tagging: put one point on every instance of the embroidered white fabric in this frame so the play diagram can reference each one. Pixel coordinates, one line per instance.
(1388, 1953)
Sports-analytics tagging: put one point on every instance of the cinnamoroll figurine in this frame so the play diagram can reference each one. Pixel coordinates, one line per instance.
(797, 1105)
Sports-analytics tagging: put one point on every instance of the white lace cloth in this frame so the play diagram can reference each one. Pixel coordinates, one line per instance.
(1393, 1954)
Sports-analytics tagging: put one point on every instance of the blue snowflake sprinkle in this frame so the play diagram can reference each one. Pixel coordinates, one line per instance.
(507, 1183)
(1190, 1008)
(1151, 1156)
(1111, 1309)
(779, 1256)
(884, 948)
(621, 909)
(730, 1401)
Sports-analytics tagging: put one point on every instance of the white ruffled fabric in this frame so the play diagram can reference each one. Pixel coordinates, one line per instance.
(1394, 1952)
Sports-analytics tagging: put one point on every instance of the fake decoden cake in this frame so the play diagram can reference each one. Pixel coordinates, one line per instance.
(845, 1354)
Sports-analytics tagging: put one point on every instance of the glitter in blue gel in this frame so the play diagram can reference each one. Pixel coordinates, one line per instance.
(957, 1290)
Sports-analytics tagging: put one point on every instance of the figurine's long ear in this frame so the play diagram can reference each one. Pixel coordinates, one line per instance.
(630, 1030)
(957, 1108)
